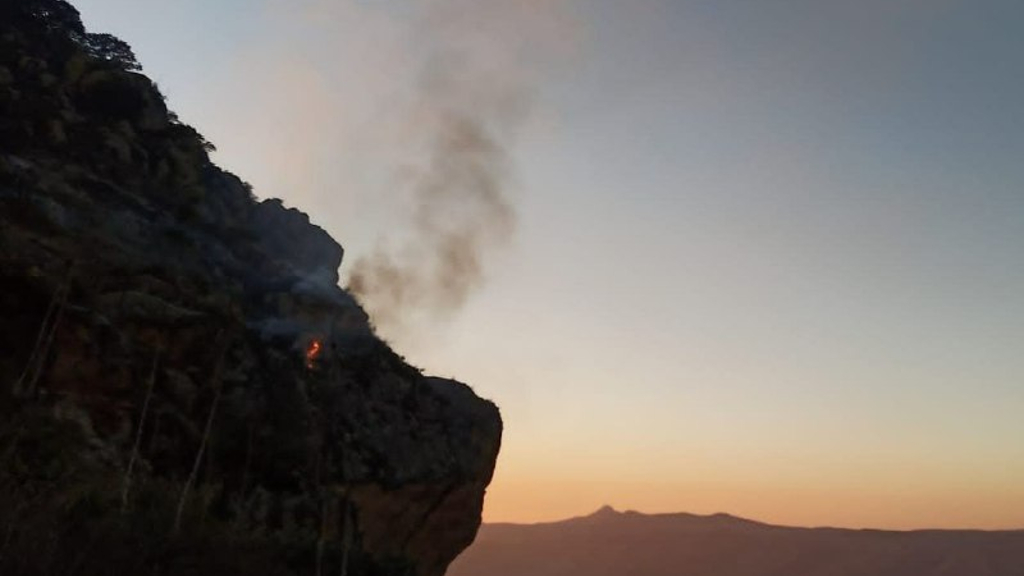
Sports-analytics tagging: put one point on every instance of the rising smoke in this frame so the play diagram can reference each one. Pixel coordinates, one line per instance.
(481, 61)
(461, 213)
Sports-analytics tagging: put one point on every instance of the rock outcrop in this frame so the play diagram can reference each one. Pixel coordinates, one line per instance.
(184, 389)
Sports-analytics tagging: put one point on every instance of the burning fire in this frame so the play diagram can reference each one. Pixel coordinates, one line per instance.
(312, 352)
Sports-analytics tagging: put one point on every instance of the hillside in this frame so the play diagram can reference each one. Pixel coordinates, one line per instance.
(610, 543)
(184, 388)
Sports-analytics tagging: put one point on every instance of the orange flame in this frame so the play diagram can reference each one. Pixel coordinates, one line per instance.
(312, 352)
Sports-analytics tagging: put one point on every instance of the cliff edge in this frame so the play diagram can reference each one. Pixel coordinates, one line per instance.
(184, 388)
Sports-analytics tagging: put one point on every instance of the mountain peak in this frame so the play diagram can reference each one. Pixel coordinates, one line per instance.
(669, 544)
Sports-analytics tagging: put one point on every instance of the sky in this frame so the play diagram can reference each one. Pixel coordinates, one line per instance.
(768, 257)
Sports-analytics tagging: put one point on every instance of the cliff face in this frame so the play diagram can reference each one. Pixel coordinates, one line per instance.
(184, 389)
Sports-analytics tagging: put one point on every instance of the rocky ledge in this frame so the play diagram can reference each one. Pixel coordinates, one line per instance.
(184, 388)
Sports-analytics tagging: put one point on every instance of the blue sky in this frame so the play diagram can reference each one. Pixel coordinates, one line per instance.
(770, 255)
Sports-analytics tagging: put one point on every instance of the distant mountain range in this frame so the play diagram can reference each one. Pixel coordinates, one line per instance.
(611, 543)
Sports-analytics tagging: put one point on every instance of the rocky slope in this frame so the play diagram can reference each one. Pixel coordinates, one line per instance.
(183, 387)
(614, 543)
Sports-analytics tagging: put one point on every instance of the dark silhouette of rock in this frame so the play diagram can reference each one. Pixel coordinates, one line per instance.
(286, 235)
(184, 388)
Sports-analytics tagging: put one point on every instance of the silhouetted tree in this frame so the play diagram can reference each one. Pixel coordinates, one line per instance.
(49, 15)
(61, 24)
(111, 49)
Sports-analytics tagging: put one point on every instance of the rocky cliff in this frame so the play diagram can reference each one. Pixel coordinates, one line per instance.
(184, 389)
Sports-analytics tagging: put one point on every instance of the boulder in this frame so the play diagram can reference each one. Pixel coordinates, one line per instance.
(286, 235)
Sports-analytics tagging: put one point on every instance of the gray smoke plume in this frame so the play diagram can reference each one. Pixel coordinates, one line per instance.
(474, 89)
(461, 213)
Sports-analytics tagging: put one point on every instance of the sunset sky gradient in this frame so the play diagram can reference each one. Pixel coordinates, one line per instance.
(769, 257)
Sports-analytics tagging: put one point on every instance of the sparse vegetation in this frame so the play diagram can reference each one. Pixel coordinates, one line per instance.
(111, 49)
(134, 441)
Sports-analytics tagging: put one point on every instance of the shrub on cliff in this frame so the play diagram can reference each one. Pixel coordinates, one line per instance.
(46, 16)
(61, 24)
(111, 49)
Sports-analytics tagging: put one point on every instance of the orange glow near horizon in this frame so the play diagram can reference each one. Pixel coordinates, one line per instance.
(895, 507)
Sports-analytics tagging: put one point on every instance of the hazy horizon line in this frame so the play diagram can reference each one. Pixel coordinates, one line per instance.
(608, 510)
